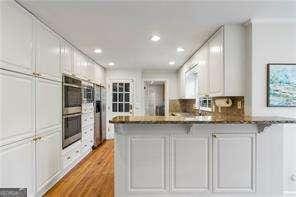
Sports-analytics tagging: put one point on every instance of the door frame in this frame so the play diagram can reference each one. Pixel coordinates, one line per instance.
(166, 93)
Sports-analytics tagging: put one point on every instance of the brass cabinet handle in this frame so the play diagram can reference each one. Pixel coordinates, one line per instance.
(36, 138)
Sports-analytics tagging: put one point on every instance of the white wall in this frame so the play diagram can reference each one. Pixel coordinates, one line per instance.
(272, 42)
(170, 76)
(138, 76)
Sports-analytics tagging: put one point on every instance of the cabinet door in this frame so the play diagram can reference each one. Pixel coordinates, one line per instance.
(216, 65)
(99, 75)
(148, 163)
(202, 75)
(47, 53)
(79, 64)
(48, 105)
(90, 70)
(17, 105)
(17, 166)
(16, 38)
(48, 158)
(233, 162)
(190, 166)
(67, 58)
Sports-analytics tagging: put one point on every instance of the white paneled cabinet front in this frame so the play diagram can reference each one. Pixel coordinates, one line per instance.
(216, 66)
(16, 38)
(148, 163)
(17, 166)
(48, 105)
(47, 53)
(190, 163)
(233, 162)
(17, 106)
(67, 58)
(48, 153)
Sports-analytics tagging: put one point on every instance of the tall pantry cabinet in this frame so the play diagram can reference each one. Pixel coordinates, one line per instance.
(30, 101)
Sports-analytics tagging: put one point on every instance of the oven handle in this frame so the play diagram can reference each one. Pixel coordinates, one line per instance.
(72, 115)
(71, 85)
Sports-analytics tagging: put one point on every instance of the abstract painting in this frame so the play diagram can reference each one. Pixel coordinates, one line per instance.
(281, 85)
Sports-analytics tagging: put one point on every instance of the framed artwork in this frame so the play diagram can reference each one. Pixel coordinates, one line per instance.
(281, 85)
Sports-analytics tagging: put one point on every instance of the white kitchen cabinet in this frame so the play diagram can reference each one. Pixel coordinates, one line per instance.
(16, 38)
(17, 166)
(216, 66)
(67, 58)
(190, 163)
(148, 164)
(234, 162)
(221, 63)
(99, 75)
(90, 74)
(17, 106)
(47, 53)
(80, 65)
(48, 158)
(202, 71)
(48, 105)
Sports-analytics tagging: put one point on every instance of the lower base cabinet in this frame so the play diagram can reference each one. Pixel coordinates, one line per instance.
(234, 162)
(48, 153)
(200, 162)
(17, 166)
(190, 163)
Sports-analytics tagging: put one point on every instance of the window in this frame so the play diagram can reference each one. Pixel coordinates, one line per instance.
(120, 97)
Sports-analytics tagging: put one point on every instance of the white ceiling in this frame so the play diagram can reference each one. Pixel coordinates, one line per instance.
(122, 29)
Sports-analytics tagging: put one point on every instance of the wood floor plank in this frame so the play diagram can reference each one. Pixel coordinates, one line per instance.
(92, 177)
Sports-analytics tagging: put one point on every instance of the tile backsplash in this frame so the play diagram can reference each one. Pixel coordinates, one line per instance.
(182, 106)
(237, 107)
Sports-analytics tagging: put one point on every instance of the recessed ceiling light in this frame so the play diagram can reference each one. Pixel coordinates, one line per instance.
(111, 64)
(171, 63)
(98, 50)
(180, 49)
(154, 38)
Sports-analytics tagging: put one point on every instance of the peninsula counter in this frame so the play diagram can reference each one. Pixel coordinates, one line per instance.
(202, 156)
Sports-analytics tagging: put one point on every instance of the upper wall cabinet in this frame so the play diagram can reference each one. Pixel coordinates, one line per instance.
(220, 64)
(79, 64)
(227, 61)
(99, 75)
(47, 53)
(215, 66)
(16, 38)
(67, 58)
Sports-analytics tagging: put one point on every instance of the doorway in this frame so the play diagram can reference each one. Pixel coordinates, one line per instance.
(154, 97)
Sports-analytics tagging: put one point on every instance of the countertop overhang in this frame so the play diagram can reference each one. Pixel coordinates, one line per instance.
(200, 120)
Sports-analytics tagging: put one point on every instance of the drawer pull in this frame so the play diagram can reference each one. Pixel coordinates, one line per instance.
(77, 151)
(68, 158)
(214, 135)
(85, 145)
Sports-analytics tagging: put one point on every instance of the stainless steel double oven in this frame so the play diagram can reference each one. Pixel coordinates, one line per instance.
(72, 101)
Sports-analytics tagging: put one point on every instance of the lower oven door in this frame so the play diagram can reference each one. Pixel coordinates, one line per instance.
(71, 129)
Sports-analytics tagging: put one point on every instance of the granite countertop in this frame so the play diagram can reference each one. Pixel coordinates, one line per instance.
(200, 120)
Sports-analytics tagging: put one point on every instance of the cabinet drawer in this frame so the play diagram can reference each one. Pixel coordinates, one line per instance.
(87, 133)
(71, 156)
(87, 119)
(87, 108)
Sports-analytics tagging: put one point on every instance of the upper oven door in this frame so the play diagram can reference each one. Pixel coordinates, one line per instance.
(72, 98)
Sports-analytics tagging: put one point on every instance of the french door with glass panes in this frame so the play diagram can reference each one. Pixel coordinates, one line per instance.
(122, 97)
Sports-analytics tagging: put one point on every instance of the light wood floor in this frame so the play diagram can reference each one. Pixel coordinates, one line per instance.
(93, 176)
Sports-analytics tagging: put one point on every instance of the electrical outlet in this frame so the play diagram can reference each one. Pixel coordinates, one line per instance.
(239, 105)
